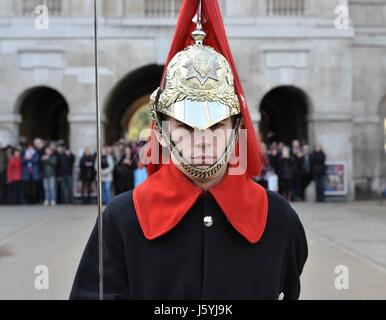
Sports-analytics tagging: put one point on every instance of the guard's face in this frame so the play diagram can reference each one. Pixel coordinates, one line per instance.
(201, 148)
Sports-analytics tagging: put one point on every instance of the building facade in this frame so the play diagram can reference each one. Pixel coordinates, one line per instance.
(312, 70)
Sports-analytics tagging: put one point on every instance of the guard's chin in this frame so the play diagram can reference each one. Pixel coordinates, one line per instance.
(203, 162)
(202, 166)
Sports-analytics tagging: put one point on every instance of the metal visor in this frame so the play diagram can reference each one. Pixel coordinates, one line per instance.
(199, 114)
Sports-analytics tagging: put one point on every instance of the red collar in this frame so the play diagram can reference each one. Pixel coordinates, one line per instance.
(163, 199)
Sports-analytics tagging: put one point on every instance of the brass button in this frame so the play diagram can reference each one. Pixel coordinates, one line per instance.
(208, 221)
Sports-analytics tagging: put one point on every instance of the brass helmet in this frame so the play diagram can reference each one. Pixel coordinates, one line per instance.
(199, 88)
(198, 91)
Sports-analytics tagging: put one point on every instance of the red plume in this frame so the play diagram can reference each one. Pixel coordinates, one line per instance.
(217, 39)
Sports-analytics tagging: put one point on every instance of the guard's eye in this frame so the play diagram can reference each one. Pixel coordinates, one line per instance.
(182, 125)
(217, 125)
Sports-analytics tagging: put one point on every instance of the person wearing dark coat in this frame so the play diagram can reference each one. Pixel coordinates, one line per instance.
(66, 160)
(30, 160)
(318, 170)
(198, 227)
(273, 159)
(286, 167)
(87, 174)
(124, 172)
(297, 180)
(306, 176)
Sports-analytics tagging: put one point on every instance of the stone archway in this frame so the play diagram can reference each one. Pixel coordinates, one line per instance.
(43, 112)
(284, 113)
(127, 96)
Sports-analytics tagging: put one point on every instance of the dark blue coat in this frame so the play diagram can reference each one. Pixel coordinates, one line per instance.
(34, 163)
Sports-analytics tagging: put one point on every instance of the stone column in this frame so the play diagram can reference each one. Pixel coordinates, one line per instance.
(334, 132)
(134, 8)
(245, 8)
(9, 128)
(113, 8)
(6, 9)
(368, 153)
(83, 130)
(83, 8)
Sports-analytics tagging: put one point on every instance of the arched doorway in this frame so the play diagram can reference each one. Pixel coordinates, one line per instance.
(136, 120)
(127, 102)
(284, 115)
(43, 114)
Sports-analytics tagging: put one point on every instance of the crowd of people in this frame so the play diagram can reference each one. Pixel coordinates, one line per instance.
(290, 169)
(31, 173)
(121, 170)
(42, 172)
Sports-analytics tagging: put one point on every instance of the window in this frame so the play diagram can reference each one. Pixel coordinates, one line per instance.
(162, 8)
(285, 7)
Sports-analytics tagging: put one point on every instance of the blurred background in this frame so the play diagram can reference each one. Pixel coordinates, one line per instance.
(314, 75)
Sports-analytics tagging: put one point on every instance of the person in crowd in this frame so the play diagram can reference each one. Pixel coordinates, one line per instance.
(49, 161)
(273, 157)
(318, 170)
(65, 169)
(107, 167)
(140, 174)
(298, 159)
(272, 180)
(295, 147)
(125, 172)
(286, 173)
(14, 175)
(306, 176)
(39, 145)
(280, 147)
(87, 174)
(118, 152)
(31, 174)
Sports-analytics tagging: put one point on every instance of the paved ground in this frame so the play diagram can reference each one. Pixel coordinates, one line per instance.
(351, 234)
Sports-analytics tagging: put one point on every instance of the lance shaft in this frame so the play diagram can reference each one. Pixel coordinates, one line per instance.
(99, 182)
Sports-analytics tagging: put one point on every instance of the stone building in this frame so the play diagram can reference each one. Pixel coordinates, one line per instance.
(312, 70)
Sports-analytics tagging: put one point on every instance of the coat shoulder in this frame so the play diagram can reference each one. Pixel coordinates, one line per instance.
(281, 211)
(120, 211)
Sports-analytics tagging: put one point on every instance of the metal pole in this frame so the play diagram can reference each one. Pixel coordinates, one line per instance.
(99, 182)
